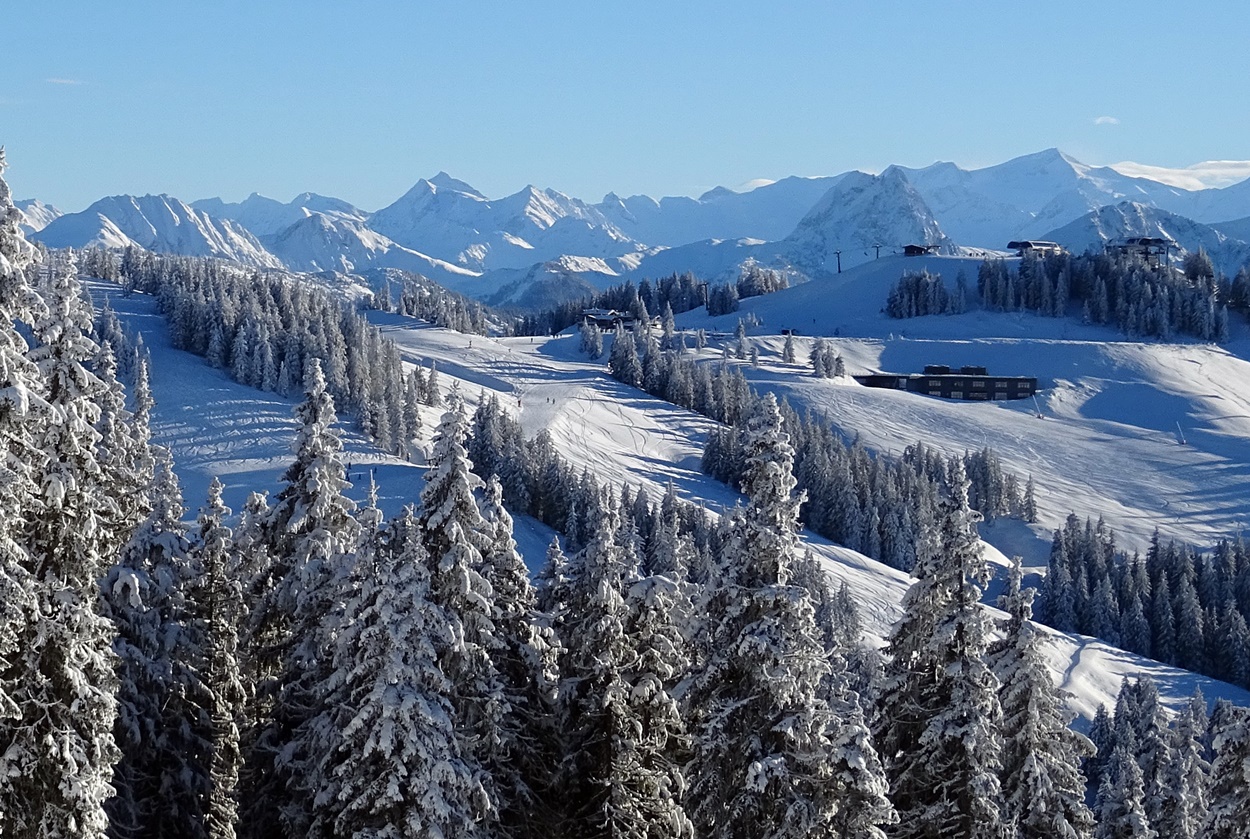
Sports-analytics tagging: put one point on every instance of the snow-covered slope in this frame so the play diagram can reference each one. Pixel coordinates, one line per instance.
(1132, 219)
(216, 427)
(1114, 409)
(158, 223)
(859, 213)
(267, 217)
(1214, 205)
(1236, 229)
(324, 243)
(37, 215)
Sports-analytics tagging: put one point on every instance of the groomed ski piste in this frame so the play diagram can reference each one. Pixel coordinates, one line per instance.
(1108, 441)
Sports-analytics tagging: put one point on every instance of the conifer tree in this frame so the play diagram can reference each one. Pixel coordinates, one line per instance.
(217, 611)
(525, 656)
(22, 413)
(60, 678)
(1230, 774)
(939, 708)
(310, 535)
(1184, 809)
(764, 757)
(1120, 801)
(395, 769)
(1043, 790)
(455, 536)
(161, 780)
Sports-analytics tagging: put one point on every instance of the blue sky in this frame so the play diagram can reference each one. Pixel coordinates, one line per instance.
(360, 99)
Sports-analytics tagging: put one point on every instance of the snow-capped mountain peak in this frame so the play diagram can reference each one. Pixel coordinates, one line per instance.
(860, 213)
(158, 223)
(266, 216)
(444, 181)
(37, 215)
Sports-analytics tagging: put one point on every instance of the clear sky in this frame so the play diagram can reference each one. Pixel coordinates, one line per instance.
(358, 99)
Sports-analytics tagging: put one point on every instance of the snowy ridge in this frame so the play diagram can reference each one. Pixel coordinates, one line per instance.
(325, 243)
(1129, 218)
(37, 215)
(768, 212)
(451, 221)
(157, 223)
(267, 217)
(480, 246)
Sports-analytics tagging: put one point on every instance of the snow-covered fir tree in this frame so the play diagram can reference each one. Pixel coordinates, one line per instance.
(1043, 789)
(525, 655)
(311, 535)
(162, 781)
(1230, 775)
(217, 612)
(620, 775)
(1184, 807)
(455, 536)
(764, 752)
(61, 680)
(394, 768)
(939, 711)
(1120, 804)
(21, 417)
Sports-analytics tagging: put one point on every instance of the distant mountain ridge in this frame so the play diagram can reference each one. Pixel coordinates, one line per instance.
(1130, 218)
(37, 215)
(522, 247)
(158, 223)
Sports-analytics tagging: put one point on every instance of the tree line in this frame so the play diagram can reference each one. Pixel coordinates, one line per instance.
(1175, 604)
(1137, 297)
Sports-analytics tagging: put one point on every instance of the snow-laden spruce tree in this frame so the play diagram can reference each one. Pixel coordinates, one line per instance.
(217, 610)
(1230, 775)
(1043, 789)
(1187, 776)
(623, 361)
(125, 458)
(162, 778)
(525, 656)
(396, 769)
(764, 739)
(622, 731)
(455, 536)
(56, 747)
(938, 714)
(651, 783)
(21, 417)
(311, 536)
(1120, 803)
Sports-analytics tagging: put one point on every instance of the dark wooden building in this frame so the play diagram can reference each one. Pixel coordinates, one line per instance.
(919, 250)
(970, 382)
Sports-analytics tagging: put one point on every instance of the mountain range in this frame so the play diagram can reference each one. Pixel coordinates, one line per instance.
(539, 245)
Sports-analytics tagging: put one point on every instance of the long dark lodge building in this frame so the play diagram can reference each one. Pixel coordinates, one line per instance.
(967, 382)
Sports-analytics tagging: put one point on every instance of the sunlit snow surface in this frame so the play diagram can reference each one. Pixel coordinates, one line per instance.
(1108, 443)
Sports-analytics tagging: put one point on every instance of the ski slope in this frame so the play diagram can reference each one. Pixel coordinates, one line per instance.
(1145, 434)
(217, 427)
